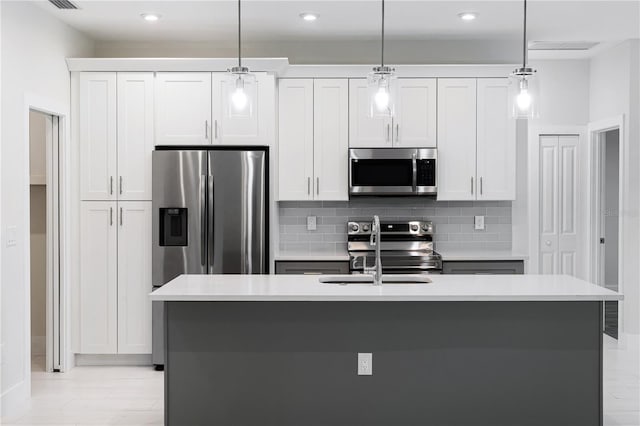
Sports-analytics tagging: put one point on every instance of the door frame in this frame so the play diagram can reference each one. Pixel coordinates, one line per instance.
(535, 131)
(596, 130)
(57, 246)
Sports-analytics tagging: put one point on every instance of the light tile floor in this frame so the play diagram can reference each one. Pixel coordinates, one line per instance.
(133, 395)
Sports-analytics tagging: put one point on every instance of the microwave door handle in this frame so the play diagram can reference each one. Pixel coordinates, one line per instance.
(414, 163)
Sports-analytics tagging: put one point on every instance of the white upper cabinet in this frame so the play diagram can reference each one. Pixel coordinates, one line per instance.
(331, 138)
(98, 278)
(457, 139)
(135, 135)
(183, 108)
(295, 134)
(496, 156)
(414, 121)
(256, 127)
(365, 131)
(97, 136)
(134, 277)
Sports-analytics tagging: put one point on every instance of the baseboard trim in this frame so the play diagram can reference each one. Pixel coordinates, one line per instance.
(38, 345)
(111, 359)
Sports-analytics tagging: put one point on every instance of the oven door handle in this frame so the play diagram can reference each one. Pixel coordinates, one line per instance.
(414, 175)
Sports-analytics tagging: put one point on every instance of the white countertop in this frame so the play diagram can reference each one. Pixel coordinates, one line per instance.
(480, 254)
(444, 288)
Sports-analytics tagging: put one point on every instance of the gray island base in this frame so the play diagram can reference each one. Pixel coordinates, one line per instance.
(439, 363)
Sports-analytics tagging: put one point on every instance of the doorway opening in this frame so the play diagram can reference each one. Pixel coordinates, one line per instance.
(607, 221)
(44, 241)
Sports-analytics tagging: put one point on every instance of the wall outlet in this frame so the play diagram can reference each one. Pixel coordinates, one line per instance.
(365, 364)
(12, 238)
(479, 222)
(311, 223)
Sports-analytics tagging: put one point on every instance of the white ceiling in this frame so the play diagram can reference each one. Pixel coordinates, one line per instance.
(216, 20)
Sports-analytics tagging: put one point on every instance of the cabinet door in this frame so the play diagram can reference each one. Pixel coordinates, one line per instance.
(457, 139)
(134, 277)
(254, 127)
(496, 156)
(331, 139)
(98, 278)
(97, 135)
(183, 108)
(295, 136)
(135, 135)
(414, 124)
(364, 131)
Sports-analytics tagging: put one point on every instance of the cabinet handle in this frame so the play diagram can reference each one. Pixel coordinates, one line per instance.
(120, 216)
(317, 185)
(480, 185)
(471, 185)
(206, 129)
(110, 216)
(308, 186)
(110, 185)
(388, 132)
(397, 132)
(215, 129)
(120, 185)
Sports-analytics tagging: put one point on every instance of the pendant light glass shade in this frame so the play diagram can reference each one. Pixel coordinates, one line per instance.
(240, 83)
(381, 85)
(523, 84)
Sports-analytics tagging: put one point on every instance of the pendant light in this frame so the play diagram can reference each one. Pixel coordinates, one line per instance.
(523, 83)
(241, 83)
(380, 84)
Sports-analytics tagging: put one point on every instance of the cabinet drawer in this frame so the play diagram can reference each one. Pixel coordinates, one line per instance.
(484, 267)
(312, 267)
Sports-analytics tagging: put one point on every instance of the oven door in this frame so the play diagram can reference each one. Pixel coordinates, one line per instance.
(397, 263)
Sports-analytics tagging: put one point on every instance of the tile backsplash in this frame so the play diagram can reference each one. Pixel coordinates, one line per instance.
(453, 222)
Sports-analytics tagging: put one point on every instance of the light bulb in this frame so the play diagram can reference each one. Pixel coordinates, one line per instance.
(524, 100)
(382, 98)
(239, 99)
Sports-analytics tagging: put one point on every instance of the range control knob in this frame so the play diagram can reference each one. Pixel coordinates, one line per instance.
(414, 227)
(355, 227)
(425, 226)
(365, 228)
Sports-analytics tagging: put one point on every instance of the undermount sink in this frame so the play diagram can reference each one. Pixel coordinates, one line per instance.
(368, 279)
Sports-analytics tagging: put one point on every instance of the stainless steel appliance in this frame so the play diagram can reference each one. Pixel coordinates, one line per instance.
(406, 247)
(210, 216)
(392, 171)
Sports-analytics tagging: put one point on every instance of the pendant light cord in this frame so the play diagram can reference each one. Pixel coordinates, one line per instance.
(239, 35)
(525, 52)
(382, 47)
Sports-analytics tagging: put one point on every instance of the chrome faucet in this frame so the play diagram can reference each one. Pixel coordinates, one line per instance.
(374, 241)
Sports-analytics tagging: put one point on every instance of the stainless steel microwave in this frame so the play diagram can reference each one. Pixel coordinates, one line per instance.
(393, 171)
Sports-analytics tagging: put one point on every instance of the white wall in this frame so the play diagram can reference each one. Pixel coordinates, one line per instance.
(614, 92)
(34, 46)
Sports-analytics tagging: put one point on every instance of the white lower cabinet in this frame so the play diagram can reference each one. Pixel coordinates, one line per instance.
(313, 139)
(115, 277)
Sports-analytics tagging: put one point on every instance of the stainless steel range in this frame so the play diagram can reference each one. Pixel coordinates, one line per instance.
(407, 247)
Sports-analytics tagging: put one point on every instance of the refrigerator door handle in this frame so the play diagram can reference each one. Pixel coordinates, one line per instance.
(203, 220)
(210, 221)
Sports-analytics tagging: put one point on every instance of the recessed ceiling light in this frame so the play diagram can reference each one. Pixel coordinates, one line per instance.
(150, 17)
(309, 16)
(468, 16)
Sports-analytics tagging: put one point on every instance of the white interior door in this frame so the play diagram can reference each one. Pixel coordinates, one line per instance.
(365, 131)
(134, 277)
(331, 139)
(183, 108)
(98, 278)
(97, 135)
(135, 135)
(295, 139)
(559, 205)
(414, 124)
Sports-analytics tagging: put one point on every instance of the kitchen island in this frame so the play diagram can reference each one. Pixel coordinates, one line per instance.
(463, 350)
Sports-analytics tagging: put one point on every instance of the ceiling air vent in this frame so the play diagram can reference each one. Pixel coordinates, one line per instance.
(561, 45)
(63, 4)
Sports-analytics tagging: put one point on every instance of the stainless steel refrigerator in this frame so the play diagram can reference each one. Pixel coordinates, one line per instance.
(210, 216)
